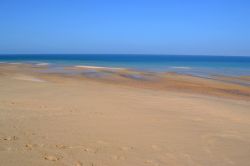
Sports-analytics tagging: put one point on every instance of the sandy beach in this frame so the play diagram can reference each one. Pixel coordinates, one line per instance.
(122, 117)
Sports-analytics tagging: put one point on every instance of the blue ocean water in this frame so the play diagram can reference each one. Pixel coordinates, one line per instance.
(186, 64)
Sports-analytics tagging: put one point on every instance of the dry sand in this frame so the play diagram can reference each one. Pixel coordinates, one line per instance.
(176, 120)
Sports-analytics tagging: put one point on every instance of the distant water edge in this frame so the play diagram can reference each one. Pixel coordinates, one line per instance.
(184, 64)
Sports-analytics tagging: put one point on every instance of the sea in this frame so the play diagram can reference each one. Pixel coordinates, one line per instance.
(203, 66)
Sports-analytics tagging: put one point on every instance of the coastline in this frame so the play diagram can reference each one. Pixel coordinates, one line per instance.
(218, 85)
(200, 66)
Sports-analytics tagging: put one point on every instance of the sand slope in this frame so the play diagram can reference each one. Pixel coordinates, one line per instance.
(70, 121)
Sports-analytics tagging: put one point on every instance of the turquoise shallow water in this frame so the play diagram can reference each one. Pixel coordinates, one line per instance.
(186, 64)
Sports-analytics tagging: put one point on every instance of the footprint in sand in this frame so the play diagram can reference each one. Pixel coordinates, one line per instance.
(52, 158)
(62, 146)
(30, 146)
(88, 150)
(9, 138)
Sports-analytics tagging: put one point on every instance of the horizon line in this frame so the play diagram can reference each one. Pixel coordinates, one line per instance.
(139, 54)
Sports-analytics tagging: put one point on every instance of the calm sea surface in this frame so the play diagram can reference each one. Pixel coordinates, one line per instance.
(195, 65)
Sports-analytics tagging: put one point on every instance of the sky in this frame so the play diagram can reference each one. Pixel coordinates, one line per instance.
(185, 27)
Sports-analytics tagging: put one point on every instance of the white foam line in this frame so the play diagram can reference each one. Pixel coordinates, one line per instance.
(99, 67)
(42, 64)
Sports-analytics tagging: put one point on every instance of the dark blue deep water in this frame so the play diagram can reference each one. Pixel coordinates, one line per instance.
(196, 65)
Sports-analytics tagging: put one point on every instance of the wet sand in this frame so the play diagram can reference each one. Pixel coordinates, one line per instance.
(121, 117)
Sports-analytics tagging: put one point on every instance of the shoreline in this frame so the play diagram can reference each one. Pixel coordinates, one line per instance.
(188, 69)
(220, 86)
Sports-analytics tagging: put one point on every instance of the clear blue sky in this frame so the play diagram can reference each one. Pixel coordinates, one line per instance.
(209, 27)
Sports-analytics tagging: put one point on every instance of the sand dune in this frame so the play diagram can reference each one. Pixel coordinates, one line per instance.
(76, 120)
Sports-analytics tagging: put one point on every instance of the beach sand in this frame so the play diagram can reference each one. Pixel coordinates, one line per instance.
(127, 118)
